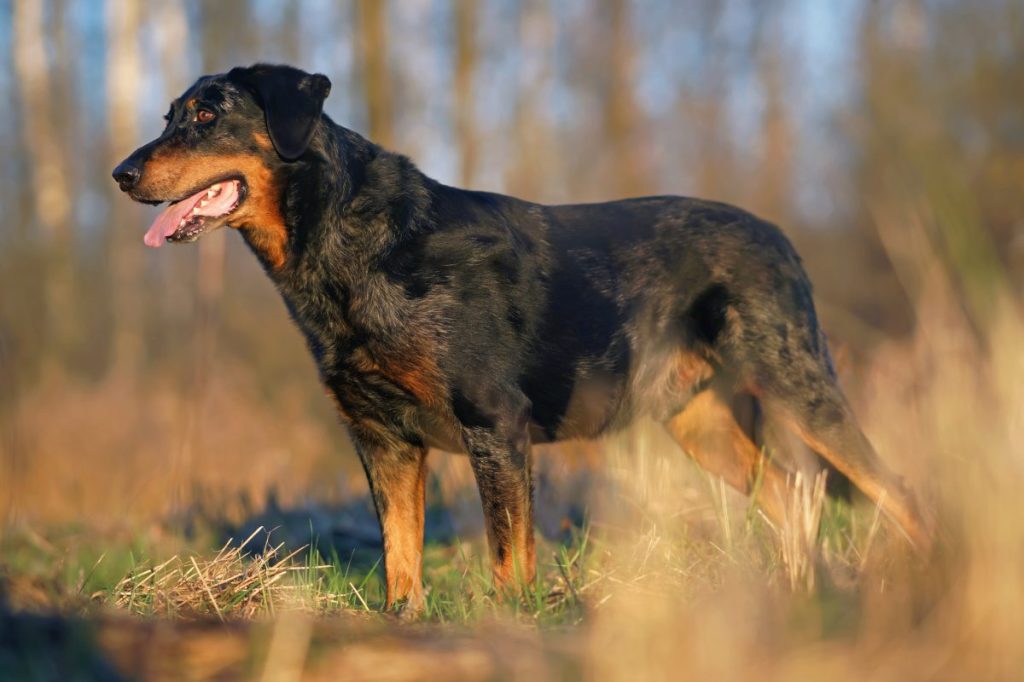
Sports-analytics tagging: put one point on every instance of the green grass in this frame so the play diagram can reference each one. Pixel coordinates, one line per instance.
(458, 584)
(69, 568)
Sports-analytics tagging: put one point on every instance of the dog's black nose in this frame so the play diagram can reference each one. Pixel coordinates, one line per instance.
(127, 175)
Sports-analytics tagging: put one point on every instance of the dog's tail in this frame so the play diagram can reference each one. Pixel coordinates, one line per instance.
(828, 427)
(798, 390)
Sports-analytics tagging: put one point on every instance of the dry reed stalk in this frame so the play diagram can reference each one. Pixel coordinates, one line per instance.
(798, 535)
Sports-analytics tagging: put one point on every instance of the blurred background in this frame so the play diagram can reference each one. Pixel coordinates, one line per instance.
(886, 138)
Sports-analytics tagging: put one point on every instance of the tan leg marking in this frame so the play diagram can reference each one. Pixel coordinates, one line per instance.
(397, 474)
(708, 431)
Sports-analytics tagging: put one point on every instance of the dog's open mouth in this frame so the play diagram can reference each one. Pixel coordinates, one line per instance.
(186, 220)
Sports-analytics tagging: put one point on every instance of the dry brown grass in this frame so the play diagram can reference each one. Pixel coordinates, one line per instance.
(236, 583)
(798, 536)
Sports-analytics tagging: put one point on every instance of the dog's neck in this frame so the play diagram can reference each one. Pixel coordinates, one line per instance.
(339, 198)
(343, 219)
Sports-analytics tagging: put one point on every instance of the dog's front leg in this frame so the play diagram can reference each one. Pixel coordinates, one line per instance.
(397, 474)
(499, 451)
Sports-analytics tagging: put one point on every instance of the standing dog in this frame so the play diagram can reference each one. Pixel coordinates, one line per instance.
(480, 323)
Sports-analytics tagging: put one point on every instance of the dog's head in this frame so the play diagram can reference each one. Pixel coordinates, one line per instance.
(220, 158)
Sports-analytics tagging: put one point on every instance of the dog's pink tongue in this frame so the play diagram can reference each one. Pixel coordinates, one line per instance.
(167, 222)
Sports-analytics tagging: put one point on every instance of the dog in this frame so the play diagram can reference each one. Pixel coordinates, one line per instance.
(479, 323)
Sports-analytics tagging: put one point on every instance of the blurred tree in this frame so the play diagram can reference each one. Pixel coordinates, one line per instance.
(703, 105)
(170, 31)
(49, 190)
(290, 34)
(773, 192)
(620, 122)
(124, 74)
(926, 143)
(465, 20)
(537, 162)
(372, 44)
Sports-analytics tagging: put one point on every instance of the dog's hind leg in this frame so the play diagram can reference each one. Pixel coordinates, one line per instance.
(715, 430)
(397, 474)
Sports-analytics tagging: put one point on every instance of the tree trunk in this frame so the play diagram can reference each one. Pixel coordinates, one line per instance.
(773, 190)
(465, 17)
(50, 197)
(620, 109)
(124, 73)
(372, 46)
(536, 162)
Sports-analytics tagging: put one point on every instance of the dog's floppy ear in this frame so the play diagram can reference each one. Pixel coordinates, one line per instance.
(292, 101)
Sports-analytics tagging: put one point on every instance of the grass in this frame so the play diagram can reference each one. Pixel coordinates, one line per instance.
(258, 578)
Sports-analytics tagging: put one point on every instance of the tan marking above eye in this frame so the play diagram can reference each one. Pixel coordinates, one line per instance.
(262, 141)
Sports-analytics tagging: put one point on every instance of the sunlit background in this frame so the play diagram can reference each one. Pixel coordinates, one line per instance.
(885, 137)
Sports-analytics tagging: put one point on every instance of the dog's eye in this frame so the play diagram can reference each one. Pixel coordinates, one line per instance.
(205, 116)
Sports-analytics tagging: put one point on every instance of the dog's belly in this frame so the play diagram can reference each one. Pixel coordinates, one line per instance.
(592, 409)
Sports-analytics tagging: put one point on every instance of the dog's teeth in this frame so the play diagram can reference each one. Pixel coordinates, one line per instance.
(203, 203)
(210, 192)
(182, 223)
(195, 211)
(215, 188)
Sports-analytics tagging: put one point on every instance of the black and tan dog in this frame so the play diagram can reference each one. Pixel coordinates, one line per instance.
(479, 323)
